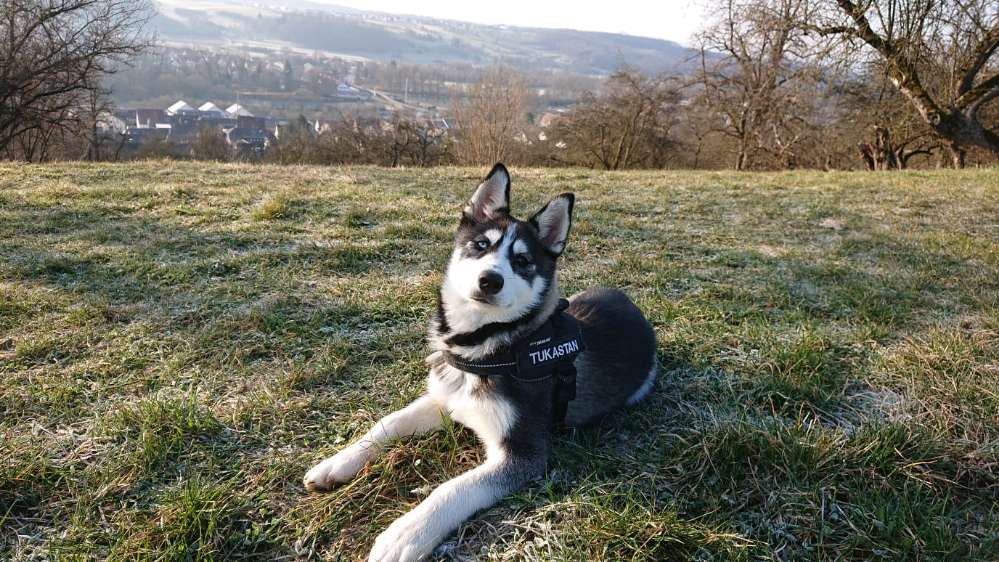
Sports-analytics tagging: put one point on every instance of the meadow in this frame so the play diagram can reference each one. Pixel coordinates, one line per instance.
(180, 342)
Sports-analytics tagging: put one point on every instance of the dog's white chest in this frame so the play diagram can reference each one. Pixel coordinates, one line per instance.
(490, 416)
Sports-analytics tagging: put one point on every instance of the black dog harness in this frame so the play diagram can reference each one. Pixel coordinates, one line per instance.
(546, 352)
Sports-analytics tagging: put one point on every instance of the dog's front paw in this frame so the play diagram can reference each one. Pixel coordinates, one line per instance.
(337, 469)
(407, 539)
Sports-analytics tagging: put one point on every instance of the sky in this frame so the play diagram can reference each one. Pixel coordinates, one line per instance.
(675, 20)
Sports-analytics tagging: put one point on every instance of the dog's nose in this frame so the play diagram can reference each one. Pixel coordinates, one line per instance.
(490, 282)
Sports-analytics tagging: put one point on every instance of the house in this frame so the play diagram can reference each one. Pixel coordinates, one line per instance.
(350, 92)
(142, 118)
(136, 136)
(323, 126)
(236, 111)
(249, 141)
(180, 108)
(440, 124)
(211, 115)
(547, 119)
(180, 126)
(250, 122)
(109, 122)
(209, 110)
(300, 126)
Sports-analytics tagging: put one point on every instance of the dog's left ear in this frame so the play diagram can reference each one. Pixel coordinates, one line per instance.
(553, 222)
(491, 198)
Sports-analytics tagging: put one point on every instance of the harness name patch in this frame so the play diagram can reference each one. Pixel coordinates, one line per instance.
(554, 352)
(549, 350)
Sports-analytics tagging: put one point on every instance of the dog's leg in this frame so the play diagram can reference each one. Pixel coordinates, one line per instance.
(414, 535)
(419, 417)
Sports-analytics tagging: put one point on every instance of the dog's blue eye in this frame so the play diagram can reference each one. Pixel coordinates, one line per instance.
(482, 244)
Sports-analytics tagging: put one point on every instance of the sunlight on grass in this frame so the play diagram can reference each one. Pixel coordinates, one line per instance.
(179, 342)
(274, 206)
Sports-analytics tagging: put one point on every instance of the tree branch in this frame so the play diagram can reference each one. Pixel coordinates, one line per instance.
(972, 100)
(980, 56)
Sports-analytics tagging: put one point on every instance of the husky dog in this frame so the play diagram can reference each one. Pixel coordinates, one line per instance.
(500, 287)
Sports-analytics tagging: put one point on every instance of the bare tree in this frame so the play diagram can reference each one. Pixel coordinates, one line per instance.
(629, 125)
(416, 143)
(53, 56)
(885, 153)
(102, 140)
(354, 140)
(432, 148)
(939, 54)
(880, 123)
(491, 116)
(755, 72)
(211, 144)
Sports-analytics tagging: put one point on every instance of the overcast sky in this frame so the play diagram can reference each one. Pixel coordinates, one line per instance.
(664, 19)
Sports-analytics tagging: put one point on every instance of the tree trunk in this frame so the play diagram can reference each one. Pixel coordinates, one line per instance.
(884, 154)
(958, 156)
(742, 158)
(958, 121)
(867, 155)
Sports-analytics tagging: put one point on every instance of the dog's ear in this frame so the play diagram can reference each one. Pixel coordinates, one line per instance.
(553, 222)
(491, 198)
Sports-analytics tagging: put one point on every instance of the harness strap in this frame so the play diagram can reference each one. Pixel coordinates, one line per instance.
(547, 352)
(564, 392)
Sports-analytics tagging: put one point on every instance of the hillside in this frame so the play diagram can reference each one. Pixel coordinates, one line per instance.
(309, 27)
(179, 342)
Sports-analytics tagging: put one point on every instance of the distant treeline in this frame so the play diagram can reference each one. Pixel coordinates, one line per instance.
(305, 84)
(778, 84)
(633, 121)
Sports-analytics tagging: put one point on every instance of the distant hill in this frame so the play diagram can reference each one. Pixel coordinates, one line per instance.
(308, 27)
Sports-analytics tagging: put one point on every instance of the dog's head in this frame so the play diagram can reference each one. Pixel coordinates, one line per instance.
(502, 268)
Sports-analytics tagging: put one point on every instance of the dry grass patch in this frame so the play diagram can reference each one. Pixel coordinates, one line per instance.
(179, 342)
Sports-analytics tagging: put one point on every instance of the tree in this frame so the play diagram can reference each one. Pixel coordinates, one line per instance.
(627, 126)
(413, 142)
(53, 56)
(297, 144)
(432, 147)
(288, 76)
(939, 54)
(757, 72)
(211, 145)
(491, 116)
(885, 153)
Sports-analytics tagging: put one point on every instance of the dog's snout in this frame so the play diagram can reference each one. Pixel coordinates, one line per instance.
(490, 282)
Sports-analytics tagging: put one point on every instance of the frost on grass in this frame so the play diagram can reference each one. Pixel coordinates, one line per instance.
(275, 206)
(179, 342)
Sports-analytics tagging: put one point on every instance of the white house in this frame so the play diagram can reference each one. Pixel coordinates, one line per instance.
(236, 110)
(211, 111)
(181, 108)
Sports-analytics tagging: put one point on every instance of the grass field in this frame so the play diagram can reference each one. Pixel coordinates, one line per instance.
(180, 342)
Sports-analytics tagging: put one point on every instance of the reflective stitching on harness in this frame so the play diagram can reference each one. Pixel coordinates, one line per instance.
(457, 363)
(548, 353)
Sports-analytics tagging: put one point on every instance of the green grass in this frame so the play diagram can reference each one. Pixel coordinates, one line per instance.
(179, 342)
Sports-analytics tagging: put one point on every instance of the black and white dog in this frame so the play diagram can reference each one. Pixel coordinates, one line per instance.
(499, 290)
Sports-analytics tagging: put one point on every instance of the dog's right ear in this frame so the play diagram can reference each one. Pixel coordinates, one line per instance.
(491, 198)
(553, 222)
